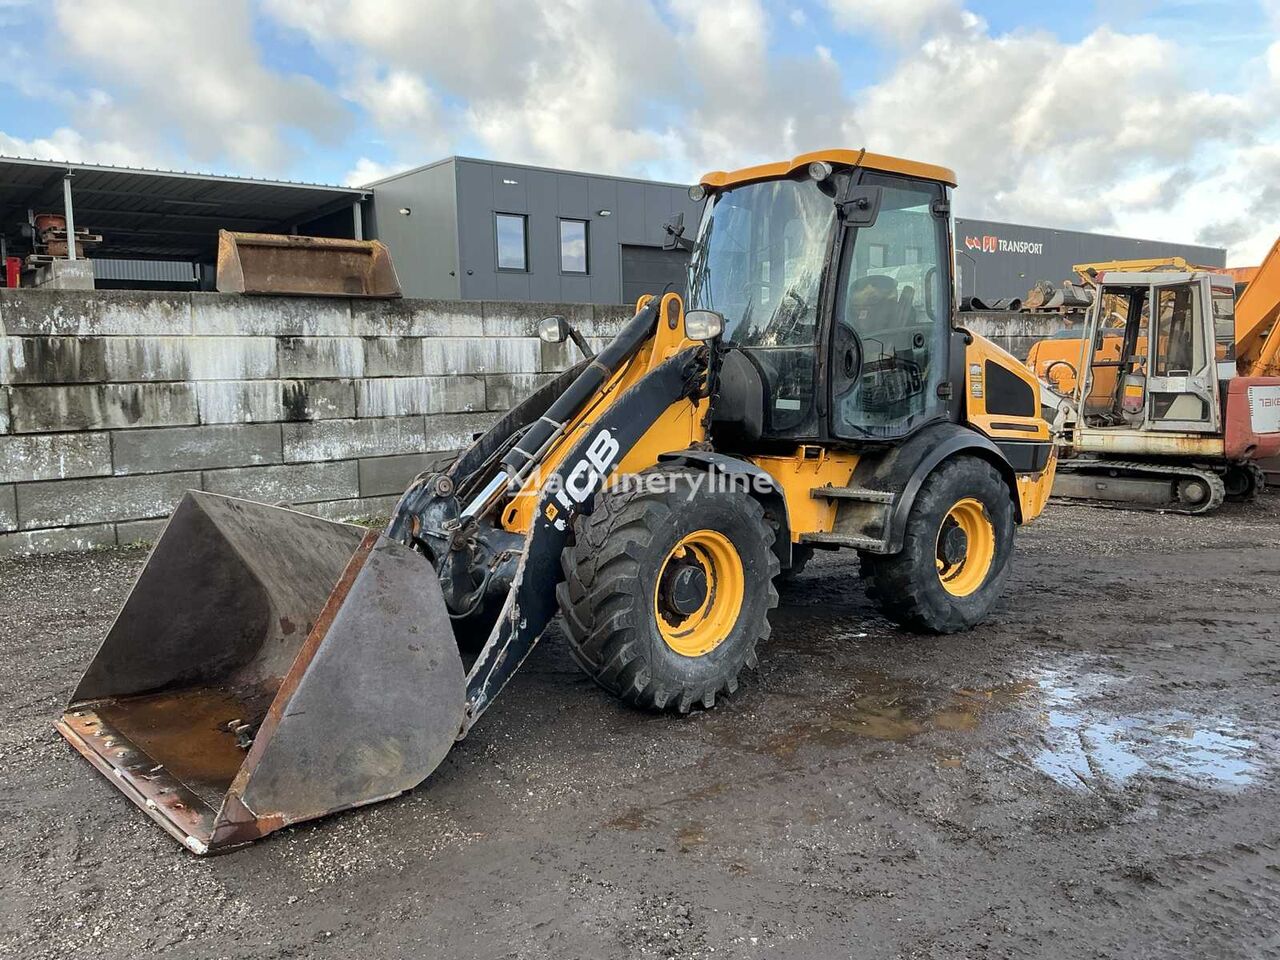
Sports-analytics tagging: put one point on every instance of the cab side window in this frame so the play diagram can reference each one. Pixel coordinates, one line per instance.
(895, 309)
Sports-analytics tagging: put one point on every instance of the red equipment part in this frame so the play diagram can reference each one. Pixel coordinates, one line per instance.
(12, 271)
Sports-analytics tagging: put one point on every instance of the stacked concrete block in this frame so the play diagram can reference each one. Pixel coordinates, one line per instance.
(113, 404)
(1015, 332)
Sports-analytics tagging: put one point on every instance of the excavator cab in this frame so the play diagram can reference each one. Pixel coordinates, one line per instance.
(1161, 345)
(814, 393)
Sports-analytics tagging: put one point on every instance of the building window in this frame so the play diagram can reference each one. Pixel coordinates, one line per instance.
(512, 230)
(877, 255)
(573, 246)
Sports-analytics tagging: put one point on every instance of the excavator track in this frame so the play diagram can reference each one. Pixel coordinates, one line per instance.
(1134, 485)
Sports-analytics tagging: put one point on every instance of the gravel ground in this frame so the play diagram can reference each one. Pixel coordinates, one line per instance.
(1094, 773)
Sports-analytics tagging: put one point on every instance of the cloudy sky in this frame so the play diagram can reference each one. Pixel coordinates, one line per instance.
(1156, 118)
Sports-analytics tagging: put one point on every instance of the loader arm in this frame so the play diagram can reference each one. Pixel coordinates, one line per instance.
(569, 490)
(1257, 312)
(496, 524)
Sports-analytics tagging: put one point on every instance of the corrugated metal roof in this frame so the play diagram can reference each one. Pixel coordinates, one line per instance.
(150, 271)
(160, 213)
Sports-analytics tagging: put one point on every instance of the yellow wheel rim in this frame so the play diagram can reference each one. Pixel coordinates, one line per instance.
(966, 547)
(699, 593)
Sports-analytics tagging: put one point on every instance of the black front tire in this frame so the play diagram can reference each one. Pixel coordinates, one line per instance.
(613, 565)
(908, 586)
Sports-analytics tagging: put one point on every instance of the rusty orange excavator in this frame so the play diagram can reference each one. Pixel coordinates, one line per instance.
(1170, 397)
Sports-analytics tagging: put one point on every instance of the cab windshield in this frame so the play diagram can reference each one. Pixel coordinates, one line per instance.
(759, 258)
(759, 261)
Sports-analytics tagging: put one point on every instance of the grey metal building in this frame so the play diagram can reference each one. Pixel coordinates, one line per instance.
(479, 230)
(998, 260)
(472, 229)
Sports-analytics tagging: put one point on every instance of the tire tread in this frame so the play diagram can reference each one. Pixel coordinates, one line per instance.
(598, 597)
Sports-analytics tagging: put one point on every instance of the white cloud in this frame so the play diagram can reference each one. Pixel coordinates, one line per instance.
(70, 146)
(900, 21)
(747, 105)
(192, 69)
(367, 171)
(1113, 131)
(581, 102)
(1236, 203)
(566, 83)
(1097, 134)
(401, 102)
(605, 85)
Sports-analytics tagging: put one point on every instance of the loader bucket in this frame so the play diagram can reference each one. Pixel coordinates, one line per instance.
(269, 667)
(272, 263)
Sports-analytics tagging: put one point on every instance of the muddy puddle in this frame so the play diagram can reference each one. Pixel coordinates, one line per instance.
(1059, 721)
(1084, 746)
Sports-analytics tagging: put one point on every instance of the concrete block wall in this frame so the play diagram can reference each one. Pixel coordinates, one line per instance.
(113, 404)
(1015, 332)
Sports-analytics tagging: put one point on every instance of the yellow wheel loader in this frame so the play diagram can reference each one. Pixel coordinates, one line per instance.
(814, 393)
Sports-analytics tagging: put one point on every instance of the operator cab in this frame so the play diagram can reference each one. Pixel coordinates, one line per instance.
(835, 285)
(1162, 374)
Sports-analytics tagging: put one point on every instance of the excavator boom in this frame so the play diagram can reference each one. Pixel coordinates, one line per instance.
(1257, 310)
(1089, 271)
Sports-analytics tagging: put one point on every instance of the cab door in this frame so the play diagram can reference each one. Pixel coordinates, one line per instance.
(891, 323)
(1182, 393)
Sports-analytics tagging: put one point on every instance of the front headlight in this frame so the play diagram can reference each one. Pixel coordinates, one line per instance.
(703, 324)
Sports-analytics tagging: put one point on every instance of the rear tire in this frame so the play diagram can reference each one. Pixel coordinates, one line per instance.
(955, 554)
(699, 558)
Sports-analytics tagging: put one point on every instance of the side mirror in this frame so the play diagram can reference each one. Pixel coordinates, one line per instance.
(861, 207)
(675, 238)
(557, 330)
(553, 330)
(703, 324)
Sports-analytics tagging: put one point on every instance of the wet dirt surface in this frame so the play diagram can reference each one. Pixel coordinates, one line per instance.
(1094, 773)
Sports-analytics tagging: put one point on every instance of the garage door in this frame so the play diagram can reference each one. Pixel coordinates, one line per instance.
(650, 269)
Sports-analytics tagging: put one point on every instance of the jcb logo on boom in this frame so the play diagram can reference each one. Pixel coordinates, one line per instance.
(585, 477)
